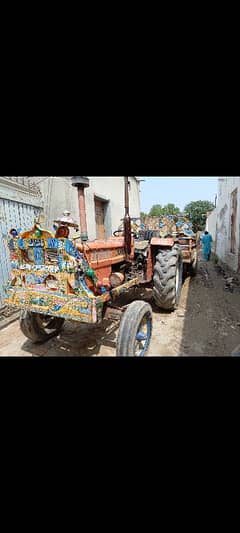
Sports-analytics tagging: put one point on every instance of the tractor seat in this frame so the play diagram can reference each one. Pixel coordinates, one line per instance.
(141, 245)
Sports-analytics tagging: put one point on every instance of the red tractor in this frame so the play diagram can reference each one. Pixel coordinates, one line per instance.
(55, 278)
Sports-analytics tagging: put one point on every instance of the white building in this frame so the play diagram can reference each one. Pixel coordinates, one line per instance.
(211, 224)
(224, 222)
(104, 202)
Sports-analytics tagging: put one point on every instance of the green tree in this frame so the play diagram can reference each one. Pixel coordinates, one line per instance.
(143, 215)
(156, 210)
(197, 213)
(170, 209)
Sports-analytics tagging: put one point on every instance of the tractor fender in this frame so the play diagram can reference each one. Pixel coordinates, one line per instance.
(158, 241)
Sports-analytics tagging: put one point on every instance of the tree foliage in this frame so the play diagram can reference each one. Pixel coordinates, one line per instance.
(170, 209)
(158, 210)
(197, 213)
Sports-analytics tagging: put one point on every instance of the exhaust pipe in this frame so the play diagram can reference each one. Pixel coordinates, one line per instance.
(127, 220)
(81, 182)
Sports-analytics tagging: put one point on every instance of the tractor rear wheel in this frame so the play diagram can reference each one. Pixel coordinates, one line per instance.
(167, 278)
(39, 328)
(135, 330)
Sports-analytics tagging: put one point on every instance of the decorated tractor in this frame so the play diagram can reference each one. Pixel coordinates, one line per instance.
(55, 278)
(176, 256)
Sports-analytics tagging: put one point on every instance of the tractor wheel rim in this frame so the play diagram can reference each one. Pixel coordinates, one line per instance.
(142, 338)
(177, 279)
(46, 321)
(195, 260)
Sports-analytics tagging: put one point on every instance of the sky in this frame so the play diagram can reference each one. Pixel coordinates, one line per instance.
(178, 191)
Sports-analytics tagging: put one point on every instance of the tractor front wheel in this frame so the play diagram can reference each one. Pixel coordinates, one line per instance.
(39, 328)
(135, 330)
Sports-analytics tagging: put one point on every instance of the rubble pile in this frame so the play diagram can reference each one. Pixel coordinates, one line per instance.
(231, 283)
(219, 269)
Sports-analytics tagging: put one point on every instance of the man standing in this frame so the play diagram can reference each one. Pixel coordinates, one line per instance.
(206, 242)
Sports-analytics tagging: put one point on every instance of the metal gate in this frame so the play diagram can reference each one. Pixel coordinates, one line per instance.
(12, 215)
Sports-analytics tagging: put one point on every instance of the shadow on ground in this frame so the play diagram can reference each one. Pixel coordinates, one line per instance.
(77, 340)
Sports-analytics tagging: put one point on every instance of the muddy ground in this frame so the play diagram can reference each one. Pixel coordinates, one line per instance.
(207, 322)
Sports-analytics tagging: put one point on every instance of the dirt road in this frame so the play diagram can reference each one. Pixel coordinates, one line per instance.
(207, 322)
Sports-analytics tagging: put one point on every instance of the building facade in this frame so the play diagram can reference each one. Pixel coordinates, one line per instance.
(104, 202)
(211, 224)
(224, 222)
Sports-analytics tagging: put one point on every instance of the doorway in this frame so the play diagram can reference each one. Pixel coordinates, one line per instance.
(100, 218)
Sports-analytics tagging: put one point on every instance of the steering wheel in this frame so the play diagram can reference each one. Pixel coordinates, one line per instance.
(121, 231)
